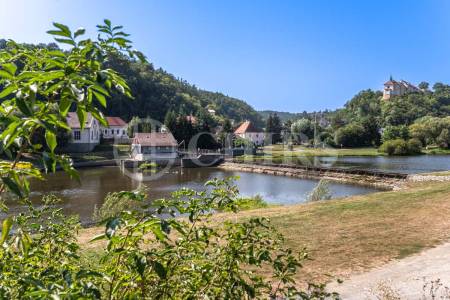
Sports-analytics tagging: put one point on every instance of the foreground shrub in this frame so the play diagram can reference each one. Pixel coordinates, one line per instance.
(247, 203)
(186, 255)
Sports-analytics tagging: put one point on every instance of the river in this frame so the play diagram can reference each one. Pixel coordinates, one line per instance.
(396, 164)
(81, 197)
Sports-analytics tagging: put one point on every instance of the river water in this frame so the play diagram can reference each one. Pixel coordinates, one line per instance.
(396, 164)
(81, 197)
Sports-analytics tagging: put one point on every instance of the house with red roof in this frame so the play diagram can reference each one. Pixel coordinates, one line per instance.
(117, 129)
(249, 131)
(154, 146)
(85, 140)
(398, 88)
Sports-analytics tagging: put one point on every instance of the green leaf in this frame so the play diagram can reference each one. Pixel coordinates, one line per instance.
(66, 41)
(81, 113)
(23, 106)
(6, 227)
(58, 32)
(12, 186)
(158, 232)
(63, 28)
(50, 138)
(64, 106)
(10, 68)
(4, 74)
(78, 32)
(107, 22)
(7, 91)
(100, 98)
(99, 116)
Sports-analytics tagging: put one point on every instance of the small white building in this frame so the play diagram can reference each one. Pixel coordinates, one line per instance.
(117, 129)
(83, 140)
(154, 146)
(250, 132)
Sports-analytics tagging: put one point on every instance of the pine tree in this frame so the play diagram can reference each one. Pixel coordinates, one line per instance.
(170, 121)
(276, 129)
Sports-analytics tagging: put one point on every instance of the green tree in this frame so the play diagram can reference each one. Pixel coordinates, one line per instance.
(351, 135)
(395, 132)
(276, 129)
(302, 129)
(424, 85)
(170, 121)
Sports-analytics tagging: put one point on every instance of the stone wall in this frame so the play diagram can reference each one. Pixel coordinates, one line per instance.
(373, 181)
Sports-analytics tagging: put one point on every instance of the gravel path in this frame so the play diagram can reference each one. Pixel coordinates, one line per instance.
(403, 279)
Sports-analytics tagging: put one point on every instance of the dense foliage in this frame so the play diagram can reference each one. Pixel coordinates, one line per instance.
(368, 120)
(401, 147)
(273, 129)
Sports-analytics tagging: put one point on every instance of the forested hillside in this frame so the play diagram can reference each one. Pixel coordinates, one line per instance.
(156, 92)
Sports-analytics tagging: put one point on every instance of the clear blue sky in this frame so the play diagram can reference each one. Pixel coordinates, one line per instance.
(281, 55)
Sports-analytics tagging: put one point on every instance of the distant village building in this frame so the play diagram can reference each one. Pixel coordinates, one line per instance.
(154, 146)
(212, 111)
(250, 132)
(398, 88)
(83, 140)
(117, 129)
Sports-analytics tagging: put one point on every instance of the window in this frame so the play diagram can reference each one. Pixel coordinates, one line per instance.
(77, 135)
(118, 131)
(123, 132)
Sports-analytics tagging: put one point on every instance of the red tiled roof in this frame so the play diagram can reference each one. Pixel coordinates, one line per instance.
(247, 126)
(74, 122)
(390, 82)
(155, 139)
(115, 121)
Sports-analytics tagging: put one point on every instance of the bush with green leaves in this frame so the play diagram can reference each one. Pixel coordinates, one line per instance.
(186, 255)
(401, 147)
(169, 249)
(38, 88)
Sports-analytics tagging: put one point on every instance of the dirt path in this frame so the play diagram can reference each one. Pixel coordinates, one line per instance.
(403, 279)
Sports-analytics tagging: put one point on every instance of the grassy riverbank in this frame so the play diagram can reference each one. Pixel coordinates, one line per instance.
(350, 235)
(280, 153)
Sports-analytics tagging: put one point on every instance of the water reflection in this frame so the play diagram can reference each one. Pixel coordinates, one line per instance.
(400, 164)
(81, 197)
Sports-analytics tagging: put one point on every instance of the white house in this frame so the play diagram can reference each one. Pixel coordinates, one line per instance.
(117, 129)
(250, 132)
(83, 140)
(154, 146)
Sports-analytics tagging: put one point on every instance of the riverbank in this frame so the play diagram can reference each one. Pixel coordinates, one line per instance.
(280, 150)
(381, 182)
(352, 235)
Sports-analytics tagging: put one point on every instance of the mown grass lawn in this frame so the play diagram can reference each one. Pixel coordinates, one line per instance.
(354, 234)
(345, 236)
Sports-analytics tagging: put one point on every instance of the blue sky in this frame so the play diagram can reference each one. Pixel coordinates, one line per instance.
(281, 55)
